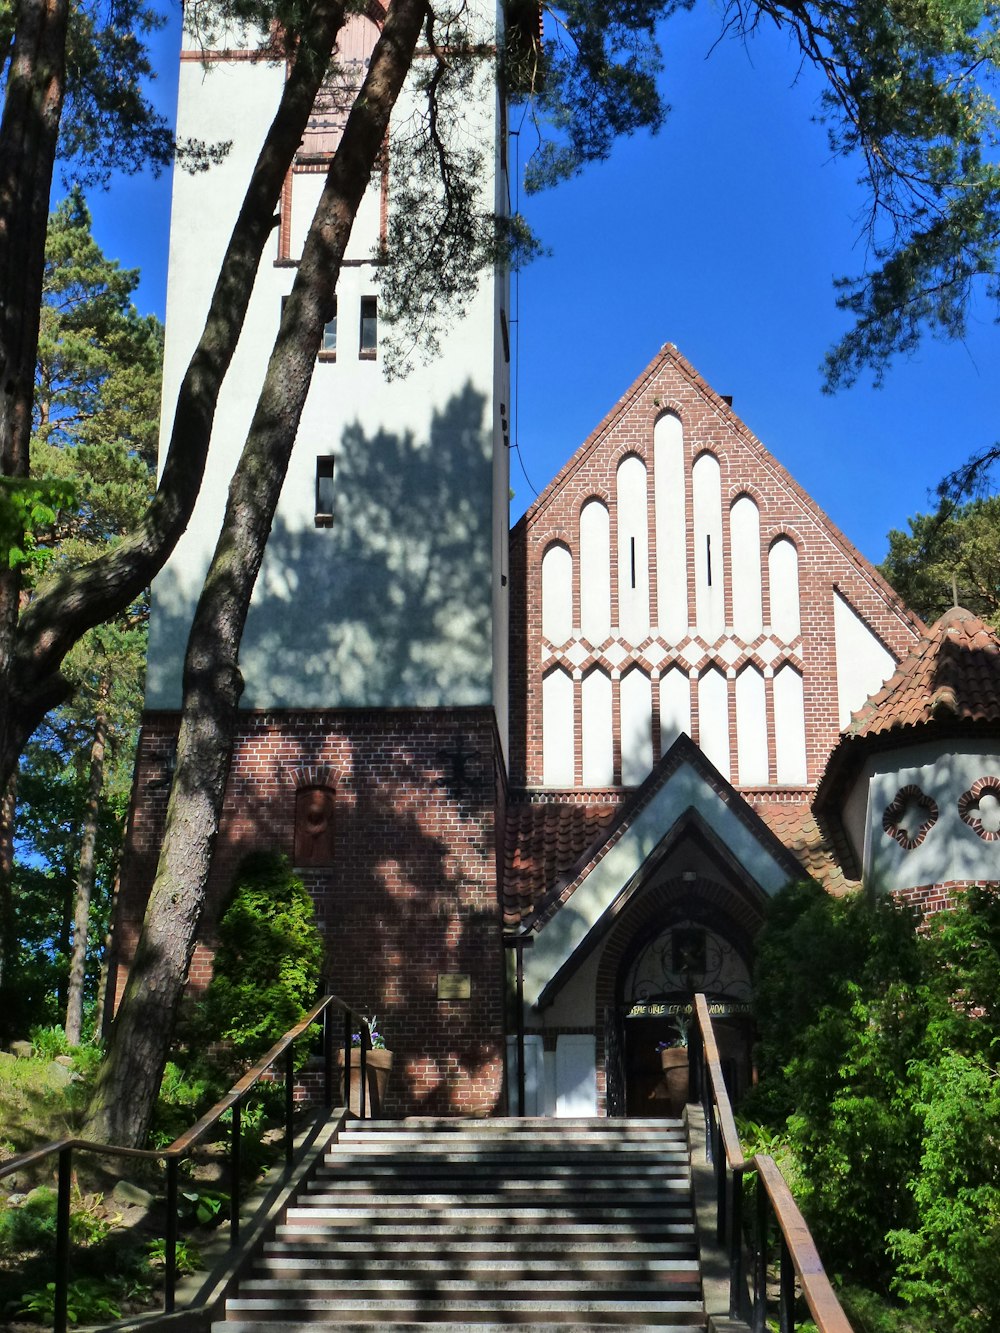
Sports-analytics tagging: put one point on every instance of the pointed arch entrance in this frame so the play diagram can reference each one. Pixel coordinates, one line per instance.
(688, 934)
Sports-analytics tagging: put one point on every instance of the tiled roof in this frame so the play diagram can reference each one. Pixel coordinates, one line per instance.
(948, 686)
(953, 675)
(544, 842)
(795, 825)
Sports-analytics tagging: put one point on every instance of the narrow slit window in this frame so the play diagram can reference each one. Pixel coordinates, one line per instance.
(324, 492)
(369, 327)
(708, 558)
(633, 560)
(328, 347)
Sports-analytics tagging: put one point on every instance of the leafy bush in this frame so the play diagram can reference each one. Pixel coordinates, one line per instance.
(879, 1047)
(30, 1227)
(269, 960)
(88, 1301)
(48, 1042)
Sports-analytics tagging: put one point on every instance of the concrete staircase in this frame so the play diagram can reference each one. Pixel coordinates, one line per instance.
(485, 1224)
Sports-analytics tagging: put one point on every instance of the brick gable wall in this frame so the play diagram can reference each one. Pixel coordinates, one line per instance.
(827, 561)
(411, 894)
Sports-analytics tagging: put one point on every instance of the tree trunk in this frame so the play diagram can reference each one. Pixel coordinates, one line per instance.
(30, 678)
(126, 1091)
(8, 921)
(85, 876)
(28, 135)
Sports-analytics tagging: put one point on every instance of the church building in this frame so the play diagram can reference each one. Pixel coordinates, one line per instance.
(540, 782)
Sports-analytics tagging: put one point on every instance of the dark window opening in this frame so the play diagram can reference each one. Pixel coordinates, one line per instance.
(632, 540)
(708, 558)
(328, 347)
(314, 826)
(324, 492)
(369, 327)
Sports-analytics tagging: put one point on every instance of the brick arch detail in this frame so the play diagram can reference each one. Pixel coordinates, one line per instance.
(312, 775)
(738, 489)
(745, 909)
(629, 449)
(784, 532)
(600, 493)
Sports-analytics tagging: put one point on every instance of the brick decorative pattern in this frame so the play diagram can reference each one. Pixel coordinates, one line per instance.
(827, 563)
(908, 798)
(968, 807)
(412, 893)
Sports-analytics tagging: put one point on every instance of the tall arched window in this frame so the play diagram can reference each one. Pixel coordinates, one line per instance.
(671, 529)
(557, 594)
(709, 567)
(713, 719)
(595, 572)
(598, 741)
(558, 760)
(789, 728)
(783, 585)
(633, 551)
(636, 710)
(744, 535)
(751, 728)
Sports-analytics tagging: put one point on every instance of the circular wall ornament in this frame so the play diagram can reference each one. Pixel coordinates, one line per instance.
(910, 816)
(979, 807)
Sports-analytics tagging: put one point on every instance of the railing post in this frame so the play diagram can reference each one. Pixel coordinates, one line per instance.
(758, 1323)
(170, 1239)
(289, 1104)
(347, 1059)
(786, 1302)
(328, 1056)
(720, 1164)
(736, 1294)
(62, 1239)
(234, 1174)
(363, 1069)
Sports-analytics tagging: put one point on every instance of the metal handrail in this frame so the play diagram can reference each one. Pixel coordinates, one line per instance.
(182, 1146)
(799, 1257)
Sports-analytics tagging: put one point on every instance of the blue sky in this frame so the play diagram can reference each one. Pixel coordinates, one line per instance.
(722, 234)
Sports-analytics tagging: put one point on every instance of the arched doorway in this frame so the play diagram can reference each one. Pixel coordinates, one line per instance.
(667, 964)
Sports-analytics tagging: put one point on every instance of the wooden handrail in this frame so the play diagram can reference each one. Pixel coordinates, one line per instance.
(713, 1068)
(800, 1257)
(819, 1295)
(182, 1146)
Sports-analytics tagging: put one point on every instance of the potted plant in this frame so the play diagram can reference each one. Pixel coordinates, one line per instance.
(674, 1062)
(378, 1065)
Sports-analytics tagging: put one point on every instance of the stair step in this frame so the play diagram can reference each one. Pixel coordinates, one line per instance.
(362, 1266)
(450, 1225)
(381, 1288)
(459, 1326)
(569, 1232)
(374, 1311)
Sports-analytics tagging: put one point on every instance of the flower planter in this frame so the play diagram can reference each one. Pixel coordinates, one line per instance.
(378, 1066)
(674, 1062)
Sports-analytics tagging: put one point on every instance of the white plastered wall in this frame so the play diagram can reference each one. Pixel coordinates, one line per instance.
(863, 663)
(398, 603)
(951, 850)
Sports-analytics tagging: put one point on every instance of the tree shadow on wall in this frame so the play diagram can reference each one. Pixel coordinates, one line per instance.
(392, 603)
(389, 607)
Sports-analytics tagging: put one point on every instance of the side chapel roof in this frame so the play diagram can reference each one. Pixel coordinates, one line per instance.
(949, 684)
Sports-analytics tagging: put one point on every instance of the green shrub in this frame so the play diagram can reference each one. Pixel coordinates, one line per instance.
(88, 1301)
(268, 962)
(30, 1227)
(48, 1042)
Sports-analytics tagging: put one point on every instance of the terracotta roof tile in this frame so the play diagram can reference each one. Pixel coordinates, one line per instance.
(795, 825)
(543, 843)
(953, 675)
